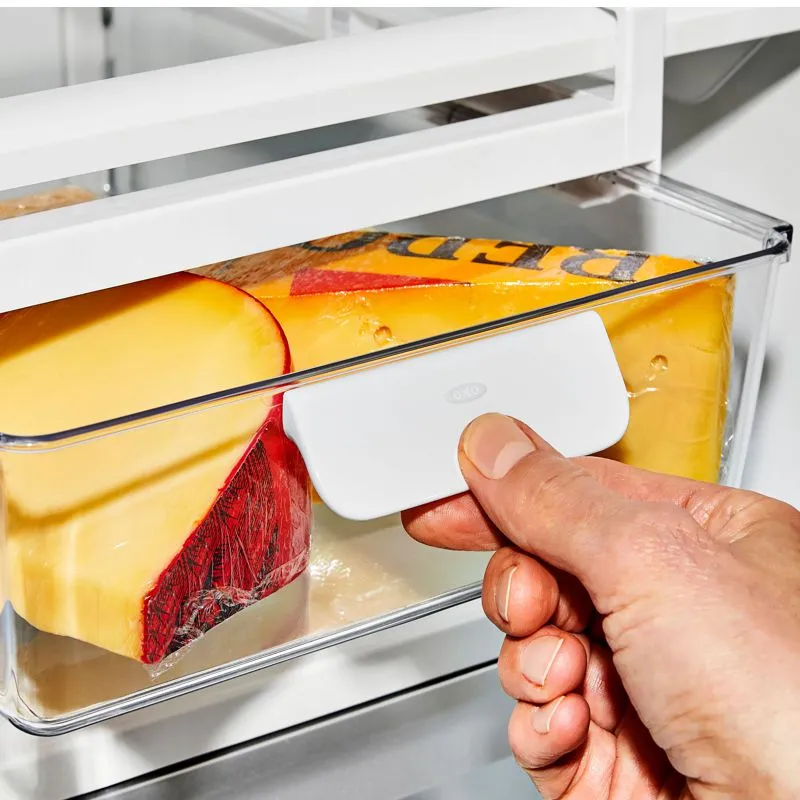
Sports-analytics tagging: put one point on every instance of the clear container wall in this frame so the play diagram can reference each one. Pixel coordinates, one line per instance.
(165, 552)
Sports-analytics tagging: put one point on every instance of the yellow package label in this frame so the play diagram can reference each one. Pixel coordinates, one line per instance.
(353, 294)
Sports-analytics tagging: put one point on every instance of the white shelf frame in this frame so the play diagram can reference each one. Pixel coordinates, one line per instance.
(105, 124)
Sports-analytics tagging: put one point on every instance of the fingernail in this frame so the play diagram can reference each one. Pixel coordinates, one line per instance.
(504, 593)
(538, 657)
(542, 716)
(494, 443)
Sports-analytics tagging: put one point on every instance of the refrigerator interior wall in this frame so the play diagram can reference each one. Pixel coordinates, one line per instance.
(30, 50)
(741, 143)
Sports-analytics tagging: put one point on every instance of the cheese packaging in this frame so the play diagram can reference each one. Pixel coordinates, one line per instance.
(357, 293)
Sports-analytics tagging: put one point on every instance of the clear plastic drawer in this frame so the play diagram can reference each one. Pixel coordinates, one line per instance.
(160, 549)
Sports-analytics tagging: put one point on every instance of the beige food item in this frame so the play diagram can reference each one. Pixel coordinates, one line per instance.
(43, 201)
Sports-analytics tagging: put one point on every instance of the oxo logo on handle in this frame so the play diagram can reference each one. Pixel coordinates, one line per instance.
(465, 393)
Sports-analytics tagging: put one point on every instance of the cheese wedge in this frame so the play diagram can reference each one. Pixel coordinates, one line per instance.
(356, 293)
(140, 541)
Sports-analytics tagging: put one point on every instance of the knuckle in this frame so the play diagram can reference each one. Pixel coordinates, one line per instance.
(550, 494)
(741, 516)
(733, 514)
(557, 484)
(565, 499)
(714, 511)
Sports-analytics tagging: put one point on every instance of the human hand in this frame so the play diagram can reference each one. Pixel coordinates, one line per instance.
(652, 623)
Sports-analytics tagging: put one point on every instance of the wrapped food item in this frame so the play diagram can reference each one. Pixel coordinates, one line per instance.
(139, 542)
(43, 201)
(352, 294)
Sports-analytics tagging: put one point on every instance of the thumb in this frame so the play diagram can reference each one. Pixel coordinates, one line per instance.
(553, 507)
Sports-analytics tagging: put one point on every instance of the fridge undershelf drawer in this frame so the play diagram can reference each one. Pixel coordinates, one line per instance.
(106, 613)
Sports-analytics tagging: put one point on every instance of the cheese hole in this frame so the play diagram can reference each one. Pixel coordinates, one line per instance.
(382, 335)
(658, 364)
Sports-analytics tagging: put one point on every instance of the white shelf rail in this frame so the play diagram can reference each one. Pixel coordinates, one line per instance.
(120, 121)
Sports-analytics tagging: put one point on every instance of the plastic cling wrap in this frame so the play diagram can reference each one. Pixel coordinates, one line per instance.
(359, 292)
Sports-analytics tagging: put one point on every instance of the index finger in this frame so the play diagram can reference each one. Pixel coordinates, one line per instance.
(455, 523)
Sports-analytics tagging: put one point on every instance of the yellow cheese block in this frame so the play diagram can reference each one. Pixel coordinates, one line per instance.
(353, 294)
(140, 541)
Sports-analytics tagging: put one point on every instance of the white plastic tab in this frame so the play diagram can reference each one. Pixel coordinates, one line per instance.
(386, 439)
